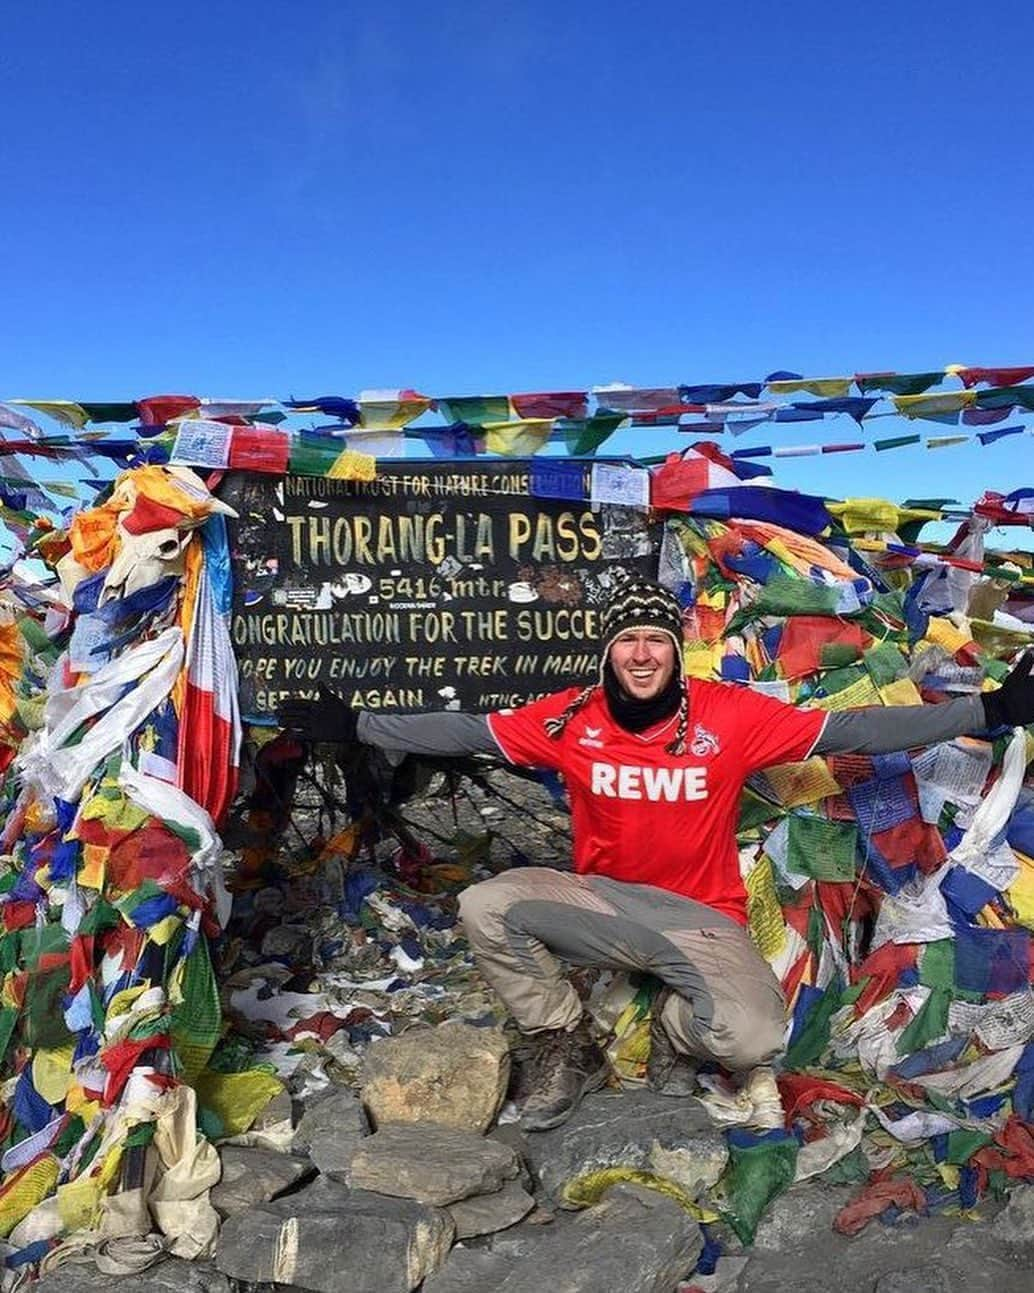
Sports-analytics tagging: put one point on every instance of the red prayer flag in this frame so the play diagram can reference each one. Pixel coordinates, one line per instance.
(156, 410)
(994, 376)
(260, 448)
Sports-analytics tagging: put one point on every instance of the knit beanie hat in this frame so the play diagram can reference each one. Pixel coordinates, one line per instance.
(636, 604)
(639, 604)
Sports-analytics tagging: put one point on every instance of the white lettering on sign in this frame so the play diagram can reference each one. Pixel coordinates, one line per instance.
(630, 782)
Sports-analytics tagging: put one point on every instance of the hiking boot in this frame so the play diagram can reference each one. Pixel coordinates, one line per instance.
(766, 1105)
(668, 1071)
(568, 1065)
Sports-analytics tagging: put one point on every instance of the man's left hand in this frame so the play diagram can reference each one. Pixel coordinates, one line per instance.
(1012, 705)
(328, 720)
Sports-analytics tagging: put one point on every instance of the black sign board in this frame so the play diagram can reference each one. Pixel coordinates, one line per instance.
(435, 586)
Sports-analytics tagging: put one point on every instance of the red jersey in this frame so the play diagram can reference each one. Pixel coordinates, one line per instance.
(645, 816)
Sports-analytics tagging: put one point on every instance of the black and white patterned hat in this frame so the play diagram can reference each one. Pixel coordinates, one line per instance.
(641, 604)
(636, 604)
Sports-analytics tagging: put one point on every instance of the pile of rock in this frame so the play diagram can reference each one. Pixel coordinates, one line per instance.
(411, 1182)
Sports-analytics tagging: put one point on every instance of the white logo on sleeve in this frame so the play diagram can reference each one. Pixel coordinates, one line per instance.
(630, 782)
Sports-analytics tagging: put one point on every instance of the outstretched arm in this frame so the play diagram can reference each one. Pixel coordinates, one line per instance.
(875, 730)
(444, 733)
(331, 719)
(878, 730)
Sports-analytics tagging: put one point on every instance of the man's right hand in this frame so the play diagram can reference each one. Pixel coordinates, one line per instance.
(327, 720)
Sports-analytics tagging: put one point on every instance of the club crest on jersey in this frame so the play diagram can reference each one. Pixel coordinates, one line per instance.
(591, 736)
(703, 742)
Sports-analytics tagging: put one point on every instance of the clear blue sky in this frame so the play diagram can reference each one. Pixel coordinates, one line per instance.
(248, 199)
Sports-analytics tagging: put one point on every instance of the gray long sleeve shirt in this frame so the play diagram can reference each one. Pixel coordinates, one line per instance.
(873, 730)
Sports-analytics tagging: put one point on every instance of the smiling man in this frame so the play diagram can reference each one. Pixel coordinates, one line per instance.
(654, 765)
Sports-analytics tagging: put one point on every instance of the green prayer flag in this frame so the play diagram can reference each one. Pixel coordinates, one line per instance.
(584, 436)
(813, 1037)
(929, 1024)
(475, 409)
(1006, 397)
(899, 383)
(885, 663)
(108, 412)
(8, 1019)
(313, 455)
(964, 1143)
(754, 810)
(756, 1175)
(896, 442)
(822, 849)
(937, 964)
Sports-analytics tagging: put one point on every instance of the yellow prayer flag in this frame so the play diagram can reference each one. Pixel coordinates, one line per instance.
(95, 858)
(702, 659)
(764, 915)
(52, 1072)
(941, 632)
(66, 411)
(163, 930)
(24, 1189)
(78, 1203)
(917, 406)
(802, 783)
(351, 465)
(856, 696)
(825, 387)
(516, 439)
(236, 1099)
(902, 691)
(1020, 894)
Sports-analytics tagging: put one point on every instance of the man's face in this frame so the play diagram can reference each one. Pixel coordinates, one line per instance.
(643, 661)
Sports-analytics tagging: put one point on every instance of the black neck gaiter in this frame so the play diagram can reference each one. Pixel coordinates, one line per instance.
(637, 715)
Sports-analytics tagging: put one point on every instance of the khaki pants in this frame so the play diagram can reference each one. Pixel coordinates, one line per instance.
(726, 1004)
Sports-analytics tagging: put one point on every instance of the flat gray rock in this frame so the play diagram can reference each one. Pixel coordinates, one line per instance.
(633, 1241)
(799, 1216)
(1015, 1223)
(923, 1279)
(253, 1176)
(483, 1214)
(329, 1238)
(469, 1270)
(436, 1165)
(170, 1275)
(620, 1129)
(330, 1130)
